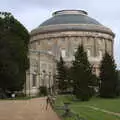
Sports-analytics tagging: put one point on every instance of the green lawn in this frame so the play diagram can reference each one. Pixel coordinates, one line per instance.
(81, 108)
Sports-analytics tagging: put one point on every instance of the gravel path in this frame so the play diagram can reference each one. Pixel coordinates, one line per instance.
(34, 109)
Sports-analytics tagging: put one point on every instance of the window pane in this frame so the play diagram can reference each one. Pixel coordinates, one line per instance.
(88, 52)
(100, 54)
(63, 52)
(75, 49)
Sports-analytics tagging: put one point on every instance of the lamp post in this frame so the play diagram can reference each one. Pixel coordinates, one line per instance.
(44, 75)
(49, 82)
(54, 83)
(29, 83)
(39, 68)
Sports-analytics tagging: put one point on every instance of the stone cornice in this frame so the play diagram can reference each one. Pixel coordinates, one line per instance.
(72, 27)
(70, 34)
(40, 52)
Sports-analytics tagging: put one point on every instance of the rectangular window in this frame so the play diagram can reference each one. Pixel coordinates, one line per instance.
(49, 51)
(34, 80)
(43, 66)
(88, 52)
(75, 50)
(100, 54)
(63, 52)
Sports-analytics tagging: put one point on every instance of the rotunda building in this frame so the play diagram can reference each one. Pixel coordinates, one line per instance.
(64, 31)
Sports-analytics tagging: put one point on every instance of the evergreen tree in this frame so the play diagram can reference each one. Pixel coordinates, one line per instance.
(118, 84)
(108, 77)
(14, 39)
(81, 75)
(62, 75)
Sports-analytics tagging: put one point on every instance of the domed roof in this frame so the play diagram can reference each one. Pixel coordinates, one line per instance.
(70, 17)
(71, 20)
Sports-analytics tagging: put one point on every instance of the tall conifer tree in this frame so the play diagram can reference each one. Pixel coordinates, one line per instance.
(61, 75)
(108, 77)
(81, 75)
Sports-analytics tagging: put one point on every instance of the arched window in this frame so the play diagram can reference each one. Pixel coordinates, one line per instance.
(100, 54)
(88, 52)
(75, 50)
(63, 53)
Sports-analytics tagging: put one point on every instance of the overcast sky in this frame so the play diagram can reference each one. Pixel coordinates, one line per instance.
(31, 13)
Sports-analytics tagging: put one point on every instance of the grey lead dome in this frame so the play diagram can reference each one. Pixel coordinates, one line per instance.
(70, 17)
(71, 20)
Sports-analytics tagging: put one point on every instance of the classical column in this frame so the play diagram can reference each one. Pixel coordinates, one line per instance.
(105, 45)
(82, 42)
(95, 43)
(44, 77)
(112, 47)
(49, 75)
(69, 47)
(38, 68)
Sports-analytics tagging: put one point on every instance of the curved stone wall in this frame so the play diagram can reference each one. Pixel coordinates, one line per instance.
(70, 40)
(66, 42)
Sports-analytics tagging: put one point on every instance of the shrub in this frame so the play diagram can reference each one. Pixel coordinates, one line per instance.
(43, 90)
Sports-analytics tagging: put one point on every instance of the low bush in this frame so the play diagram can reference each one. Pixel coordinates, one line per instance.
(43, 91)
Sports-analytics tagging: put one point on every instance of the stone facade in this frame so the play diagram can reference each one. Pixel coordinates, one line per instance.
(41, 72)
(48, 42)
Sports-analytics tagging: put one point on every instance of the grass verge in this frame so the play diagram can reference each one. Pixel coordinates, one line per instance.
(79, 107)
